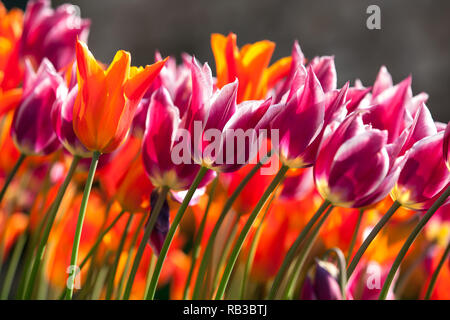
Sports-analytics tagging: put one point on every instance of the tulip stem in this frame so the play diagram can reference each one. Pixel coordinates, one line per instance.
(198, 238)
(252, 251)
(368, 240)
(418, 228)
(82, 213)
(243, 235)
(11, 175)
(112, 275)
(14, 261)
(289, 290)
(355, 235)
(129, 254)
(436, 272)
(173, 228)
(50, 217)
(154, 214)
(290, 255)
(212, 237)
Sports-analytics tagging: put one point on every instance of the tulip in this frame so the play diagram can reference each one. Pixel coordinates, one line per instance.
(321, 282)
(421, 182)
(248, 65)
(325, 72)
(10, 69)
(446, 150)
(356, 167)
(107, 100)
(215, 120)
(52, 34)
(162, 224)
(32, 129)
(365, 283)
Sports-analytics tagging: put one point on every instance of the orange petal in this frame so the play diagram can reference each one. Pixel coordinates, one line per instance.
(141, 80)
(9, 100)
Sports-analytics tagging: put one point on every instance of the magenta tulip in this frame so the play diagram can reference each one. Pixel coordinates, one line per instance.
(52, 34)
(321, 282)
(32, 129)
(424, 175)
(356, 167)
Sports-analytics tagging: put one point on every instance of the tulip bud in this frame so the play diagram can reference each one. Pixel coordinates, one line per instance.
(32, 129)
(321, 282)
(162, 224)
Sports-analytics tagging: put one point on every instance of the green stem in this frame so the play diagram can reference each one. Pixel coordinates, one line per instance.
(147, 233)
(82, 213)
(173, 228)
(240, 241)
(252, 251)
(130, 253)
(49, 224)
(289, 290)
(418, 228)
(368, 240)
(112, 275)
(436, 272)
(355, 235)
(13, 263)
(198, 238)
(224, 253)
(290, 255)
(212, 237)
(149, 274)
(11, 176)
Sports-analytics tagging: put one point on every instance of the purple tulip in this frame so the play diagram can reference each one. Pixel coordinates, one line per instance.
(52, 34)
(325, 71)
(214, 122)
(356, 167)
(424, 175)
(162, 128)
(62, 119)
(446, 148)
(32, 129)
(321, 282)
(162, 225)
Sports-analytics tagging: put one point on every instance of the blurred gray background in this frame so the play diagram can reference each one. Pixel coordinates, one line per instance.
(414, 36)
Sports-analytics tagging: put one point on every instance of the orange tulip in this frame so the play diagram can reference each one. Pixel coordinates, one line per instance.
(247, 64)
(10, 71)
(107, 100)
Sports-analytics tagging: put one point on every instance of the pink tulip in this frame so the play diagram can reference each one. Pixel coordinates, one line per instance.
(213, 119)
(325, 71)
(356, 167)
(32, 129)
(446, 148)
(52, 34)
(162, 127)
(424, 175)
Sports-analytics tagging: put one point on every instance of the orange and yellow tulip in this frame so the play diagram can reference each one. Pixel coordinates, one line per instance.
(108, 99)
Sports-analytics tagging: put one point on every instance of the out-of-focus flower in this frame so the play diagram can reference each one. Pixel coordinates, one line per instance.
(247, 64)
(107, 100)
(8, 150)
(214, 121)
(124, 178)
(424, 175)
(163, 123)
(11, 227)
(321, 282)
(162, 225)
(367, 280)
(32, 129)
(52, 34)
(10, 71)
(446, 149)
(356, 167)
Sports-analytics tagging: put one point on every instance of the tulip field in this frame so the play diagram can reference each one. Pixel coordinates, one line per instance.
(253, 179)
